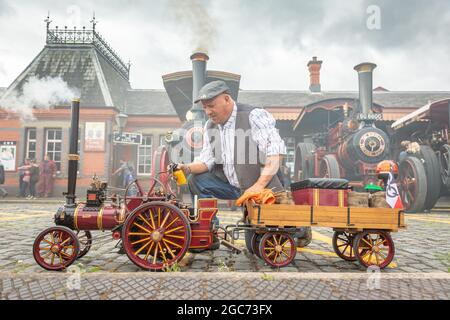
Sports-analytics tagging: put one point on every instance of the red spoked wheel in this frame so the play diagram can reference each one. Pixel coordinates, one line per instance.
(85, 239)
(56, 248)
(160, 170)
(413, 184)
(156, 235)
(374, 248)
(277, 249)
(343, 245)
(256, 240)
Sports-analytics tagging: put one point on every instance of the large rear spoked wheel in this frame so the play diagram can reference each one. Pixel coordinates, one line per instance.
(304, 161)
(156, 235)
(433, 173)
(413, 184)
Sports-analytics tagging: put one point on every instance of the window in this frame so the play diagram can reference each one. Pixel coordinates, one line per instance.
(290, 153)
(53, 144)
(30, 152)
(145, 155)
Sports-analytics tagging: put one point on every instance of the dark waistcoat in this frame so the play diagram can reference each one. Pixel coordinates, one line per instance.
(248, 160)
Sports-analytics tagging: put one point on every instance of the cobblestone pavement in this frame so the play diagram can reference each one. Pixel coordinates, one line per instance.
(422, 248)
(219, 286)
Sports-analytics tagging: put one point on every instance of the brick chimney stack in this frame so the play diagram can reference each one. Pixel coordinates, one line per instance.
(314, 74)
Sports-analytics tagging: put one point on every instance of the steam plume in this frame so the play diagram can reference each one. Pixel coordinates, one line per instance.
(41, 93)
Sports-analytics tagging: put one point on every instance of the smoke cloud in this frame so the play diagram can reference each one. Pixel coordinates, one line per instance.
(41, 93)
(193, 15)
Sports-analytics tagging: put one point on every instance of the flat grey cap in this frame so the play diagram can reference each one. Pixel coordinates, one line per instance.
(212, 90)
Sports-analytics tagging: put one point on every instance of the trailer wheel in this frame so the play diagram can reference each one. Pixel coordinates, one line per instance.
(432, 170)
(343, 245)
(304, 161)
(56, 248)
(85, 239)
(248, 240)
(413, 184)
(256, 240)
(277, 249)
(156, 235)
(329, 167)
(444, 159)
(374, 248)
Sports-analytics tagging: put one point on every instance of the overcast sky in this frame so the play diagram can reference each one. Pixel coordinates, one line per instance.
(267, 42)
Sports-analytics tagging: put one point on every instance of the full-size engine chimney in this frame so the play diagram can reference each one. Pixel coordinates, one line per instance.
(314, 66)
(365, 72)
(199, 60)
(73, 154)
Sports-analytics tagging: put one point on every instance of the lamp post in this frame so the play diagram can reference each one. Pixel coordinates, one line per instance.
(121, 120)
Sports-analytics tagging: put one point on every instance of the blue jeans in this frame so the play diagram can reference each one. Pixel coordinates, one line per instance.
(208, 185)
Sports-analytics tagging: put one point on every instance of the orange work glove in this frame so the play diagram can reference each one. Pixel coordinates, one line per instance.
(266, 196)
(246, 196)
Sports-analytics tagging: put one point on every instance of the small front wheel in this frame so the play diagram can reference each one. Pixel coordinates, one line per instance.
(277, 249)
(374, 248)
(56, 248)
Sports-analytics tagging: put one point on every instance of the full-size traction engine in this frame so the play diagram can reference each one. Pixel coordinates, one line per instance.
(155, 228)
(350, 144)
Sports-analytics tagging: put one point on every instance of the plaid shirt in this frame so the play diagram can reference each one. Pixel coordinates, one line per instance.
(263, 132)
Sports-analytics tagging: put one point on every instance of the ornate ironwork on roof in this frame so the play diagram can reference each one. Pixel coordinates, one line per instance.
(87, 36)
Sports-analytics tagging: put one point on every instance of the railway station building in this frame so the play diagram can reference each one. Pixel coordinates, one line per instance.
(119, 122)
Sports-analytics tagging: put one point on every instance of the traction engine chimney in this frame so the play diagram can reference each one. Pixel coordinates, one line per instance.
(73, 154)
(365, 72)
(199, 60)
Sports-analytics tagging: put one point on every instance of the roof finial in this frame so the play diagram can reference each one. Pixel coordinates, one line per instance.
(48, 21)
(93, 21)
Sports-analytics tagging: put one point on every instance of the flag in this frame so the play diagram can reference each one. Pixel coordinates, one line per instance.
(392, 194)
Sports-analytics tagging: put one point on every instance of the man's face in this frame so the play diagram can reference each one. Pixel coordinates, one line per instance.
(218, 109)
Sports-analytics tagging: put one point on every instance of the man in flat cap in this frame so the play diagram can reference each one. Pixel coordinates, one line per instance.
(242, 149)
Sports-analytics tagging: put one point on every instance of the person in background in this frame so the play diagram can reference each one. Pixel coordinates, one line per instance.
(25, 169)
(124, 172)
(47, 174)
(34, 170)
(21, 189)
(286, 175)
(3, 192)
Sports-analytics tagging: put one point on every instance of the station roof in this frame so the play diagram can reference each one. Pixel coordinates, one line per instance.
(389, 99)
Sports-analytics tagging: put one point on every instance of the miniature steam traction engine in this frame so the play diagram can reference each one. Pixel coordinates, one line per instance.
(156, 229)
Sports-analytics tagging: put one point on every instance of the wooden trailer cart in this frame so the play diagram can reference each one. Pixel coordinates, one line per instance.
(361, 234)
